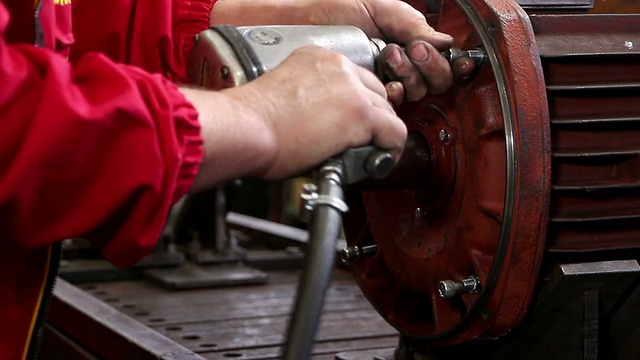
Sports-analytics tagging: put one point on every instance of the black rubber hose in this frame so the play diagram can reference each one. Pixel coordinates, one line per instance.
(325, 226)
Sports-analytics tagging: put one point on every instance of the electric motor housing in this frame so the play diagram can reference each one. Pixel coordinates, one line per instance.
(531, 162)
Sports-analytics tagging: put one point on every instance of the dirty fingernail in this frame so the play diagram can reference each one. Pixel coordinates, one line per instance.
(419, 53)
(394, 58)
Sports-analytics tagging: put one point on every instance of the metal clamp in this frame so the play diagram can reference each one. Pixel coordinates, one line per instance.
(332, 201)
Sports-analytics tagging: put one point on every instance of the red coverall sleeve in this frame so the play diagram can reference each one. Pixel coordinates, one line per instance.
(92, 149)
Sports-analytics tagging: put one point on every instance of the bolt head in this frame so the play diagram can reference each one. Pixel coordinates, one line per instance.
(445, 136)
(345, 256)
(224, 73)
(447, 289)
(350, 254)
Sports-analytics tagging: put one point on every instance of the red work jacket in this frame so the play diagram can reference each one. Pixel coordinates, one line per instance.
(89, 147)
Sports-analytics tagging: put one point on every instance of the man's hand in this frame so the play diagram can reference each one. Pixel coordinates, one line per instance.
(312, 106)
(418, 65)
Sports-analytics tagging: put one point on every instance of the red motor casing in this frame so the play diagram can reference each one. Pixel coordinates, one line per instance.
(532, 161)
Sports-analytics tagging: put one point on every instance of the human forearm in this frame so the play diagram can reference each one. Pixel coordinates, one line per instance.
(237, 141)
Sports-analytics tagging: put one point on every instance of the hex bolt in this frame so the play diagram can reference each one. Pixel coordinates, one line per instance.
(354, 253)
(418, 213)
(445, 136)
(449, 288)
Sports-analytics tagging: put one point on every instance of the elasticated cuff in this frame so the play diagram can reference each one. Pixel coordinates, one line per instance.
(192, 147)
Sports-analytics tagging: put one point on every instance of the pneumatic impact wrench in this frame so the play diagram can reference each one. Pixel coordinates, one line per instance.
(228, 56)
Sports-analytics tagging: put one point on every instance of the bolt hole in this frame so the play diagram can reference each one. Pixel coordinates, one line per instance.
(142, 313)
(128, 306)
(419, 244)
(173, 328)
(156, 320)
(207, 345)
(100, 292)
(111, 300)
(232, 355)
(191, 337)
(89, 287)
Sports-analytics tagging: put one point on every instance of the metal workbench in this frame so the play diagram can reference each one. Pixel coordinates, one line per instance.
(135, 319)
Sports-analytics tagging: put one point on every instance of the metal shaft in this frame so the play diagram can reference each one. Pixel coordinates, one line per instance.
(220, 212)
(326, 222)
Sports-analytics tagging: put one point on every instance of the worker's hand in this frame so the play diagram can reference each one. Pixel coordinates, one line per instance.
(312, 106)
(318, 104)
(417, 65)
